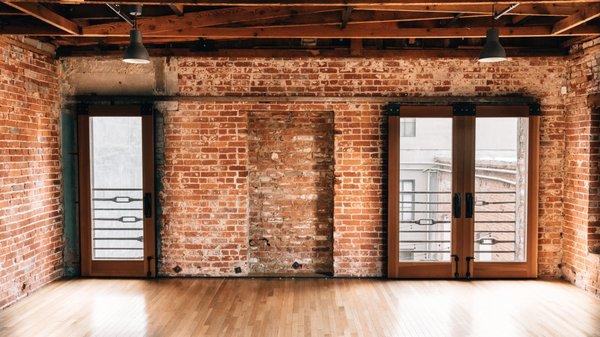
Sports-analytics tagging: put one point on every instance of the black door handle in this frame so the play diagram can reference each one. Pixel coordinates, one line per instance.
(147, 205)
(469, 205)
(469, 259)
(456, 205)
(456, 259)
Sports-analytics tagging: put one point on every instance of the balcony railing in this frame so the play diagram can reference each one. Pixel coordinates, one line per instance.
(117, 223)
(425, 225)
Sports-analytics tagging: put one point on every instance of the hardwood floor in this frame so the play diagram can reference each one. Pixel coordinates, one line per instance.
(303, 307)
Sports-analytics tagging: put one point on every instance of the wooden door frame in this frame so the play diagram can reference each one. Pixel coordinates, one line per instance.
(528, 268)
(397, 269)
(115, 268)
(464, 245)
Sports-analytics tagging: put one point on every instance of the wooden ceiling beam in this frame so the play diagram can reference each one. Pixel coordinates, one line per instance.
(372, 31)
(523, 9)
(356, 47)
(119, 41)
(345, 16)
(584, 15)
(207, 18)
(308, 2)
(14, 25)
(42, 13)
(356, 17)
(518, 19)
(177, 9)
(388, 30)
(471, 53)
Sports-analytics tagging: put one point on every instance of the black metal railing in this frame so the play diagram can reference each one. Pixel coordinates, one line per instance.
(424, 217)
(117, 222)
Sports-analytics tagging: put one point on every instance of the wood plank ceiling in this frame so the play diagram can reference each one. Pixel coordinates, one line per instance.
(311, 27)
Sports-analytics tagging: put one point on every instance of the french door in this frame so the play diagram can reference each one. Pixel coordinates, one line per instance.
(462, 192)
(116, 187)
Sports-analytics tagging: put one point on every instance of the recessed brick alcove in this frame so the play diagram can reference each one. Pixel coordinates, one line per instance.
(290, 177)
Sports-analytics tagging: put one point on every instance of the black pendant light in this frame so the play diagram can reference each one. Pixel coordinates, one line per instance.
(136, 52)
(492, 49)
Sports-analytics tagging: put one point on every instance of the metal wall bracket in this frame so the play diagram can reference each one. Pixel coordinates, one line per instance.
(83, 109)
(534, 109)
(463, 109)
(392, 109)
(147, 109)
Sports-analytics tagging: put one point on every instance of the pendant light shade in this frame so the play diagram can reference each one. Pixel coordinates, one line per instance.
(492, 50)
(136, 52)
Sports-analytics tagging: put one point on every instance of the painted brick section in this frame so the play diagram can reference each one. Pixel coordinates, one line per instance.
(582, 191)
(359, 198)
(30, 194)
(205, 191)
(291, 187)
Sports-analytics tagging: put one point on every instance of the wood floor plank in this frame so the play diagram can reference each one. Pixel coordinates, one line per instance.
(303, 307)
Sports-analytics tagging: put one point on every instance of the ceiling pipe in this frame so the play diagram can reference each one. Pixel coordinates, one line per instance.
(118, 12)
(506, 11)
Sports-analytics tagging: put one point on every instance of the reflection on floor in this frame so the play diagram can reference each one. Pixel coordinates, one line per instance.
(303, 307)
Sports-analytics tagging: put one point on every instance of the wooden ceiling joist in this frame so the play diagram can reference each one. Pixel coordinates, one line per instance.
(523, 9)
(177, 9)
(584, 15)
(166, 22)
(385, 30)
(338, 52)
(356, 17)
(310, 2)
(42, 13)
(389, 30)
(207, 18)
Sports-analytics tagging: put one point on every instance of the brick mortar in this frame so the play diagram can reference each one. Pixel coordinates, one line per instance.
(30, 175)
(581, 189)
(359, 147)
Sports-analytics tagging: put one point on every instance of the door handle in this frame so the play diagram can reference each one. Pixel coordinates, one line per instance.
(456, 259)
(456, 205)
(469, 207)
(468, 273)
(149, 272)
(147, 205)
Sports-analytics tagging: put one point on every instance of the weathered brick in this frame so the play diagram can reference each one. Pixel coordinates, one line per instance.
(580, 264)
(30, 190)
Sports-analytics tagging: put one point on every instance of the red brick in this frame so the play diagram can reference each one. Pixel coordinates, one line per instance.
(30, 191)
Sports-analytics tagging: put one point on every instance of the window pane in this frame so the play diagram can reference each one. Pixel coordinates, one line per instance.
(407, 199)
(501, 151)
(425, 190)
(407, 127)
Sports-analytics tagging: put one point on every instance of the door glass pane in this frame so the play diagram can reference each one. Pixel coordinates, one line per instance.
(425, 189)
(501, 152)
(116, 179)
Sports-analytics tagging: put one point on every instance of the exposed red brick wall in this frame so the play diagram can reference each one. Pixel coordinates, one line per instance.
(581, 192)
(291, 192)
(207, 198)
(205, 194)
(360, 187)
(359, 190)
(30, 193)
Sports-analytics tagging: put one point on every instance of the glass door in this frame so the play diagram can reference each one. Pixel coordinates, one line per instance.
(462, 192)
(502, 188)
(425, 193)
(117, 227)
